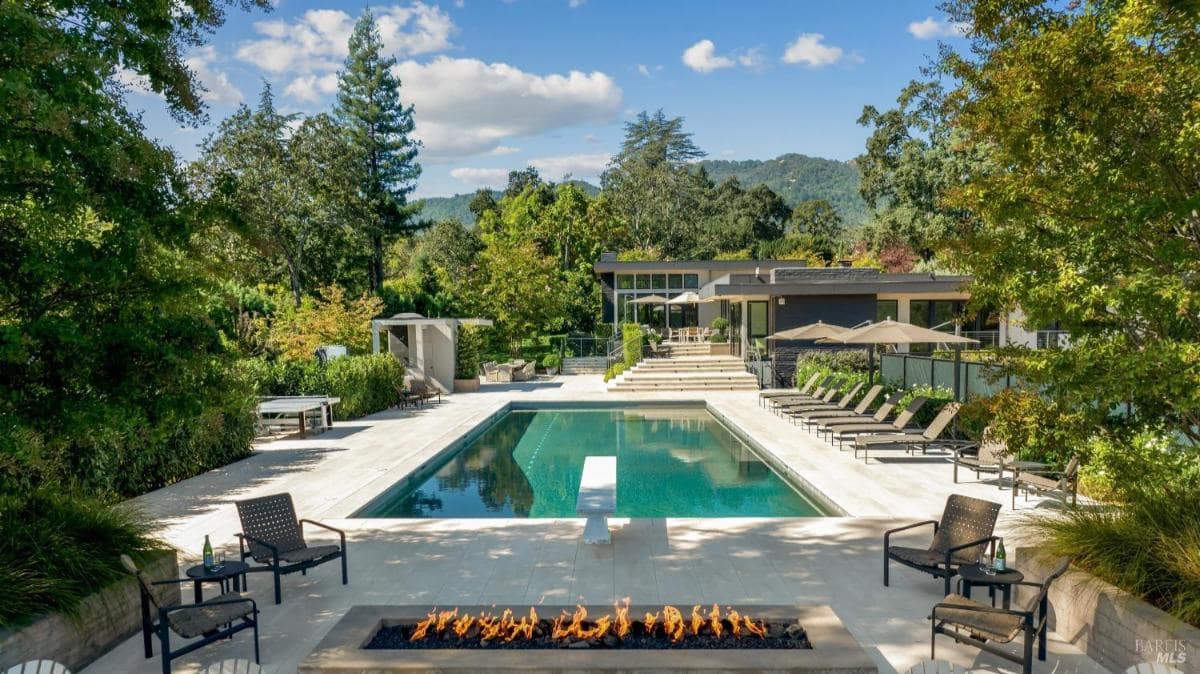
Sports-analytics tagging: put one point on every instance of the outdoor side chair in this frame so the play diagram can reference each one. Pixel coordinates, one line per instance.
(910, 439)
(1045, 482)
(213, 620)
(989, 454)
(963, 532)
(274, 537)
(982, 626)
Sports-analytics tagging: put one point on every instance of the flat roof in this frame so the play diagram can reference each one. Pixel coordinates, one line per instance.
(603, 265)
(830, 281)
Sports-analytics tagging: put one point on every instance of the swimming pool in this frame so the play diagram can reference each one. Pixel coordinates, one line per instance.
(676, 461)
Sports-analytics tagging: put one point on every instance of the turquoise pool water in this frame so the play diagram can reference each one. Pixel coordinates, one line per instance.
(671, 462)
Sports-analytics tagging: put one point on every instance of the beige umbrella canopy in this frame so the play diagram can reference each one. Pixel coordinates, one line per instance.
(649, 299)
(816, 330)
(895, 332)
(689, 297)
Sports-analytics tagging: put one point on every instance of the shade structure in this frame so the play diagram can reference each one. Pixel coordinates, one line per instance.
(649, 299)
(895, 332)
(689, 297)
(816, 330)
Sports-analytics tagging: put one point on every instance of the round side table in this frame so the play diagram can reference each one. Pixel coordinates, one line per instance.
(975, 574)
(229, 571)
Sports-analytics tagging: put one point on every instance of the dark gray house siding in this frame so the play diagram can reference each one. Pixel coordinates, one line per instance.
(607, 298)
(797, 310)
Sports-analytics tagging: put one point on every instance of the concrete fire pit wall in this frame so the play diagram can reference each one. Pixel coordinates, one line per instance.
(105, 619)
(1111, 626)
(834, 650)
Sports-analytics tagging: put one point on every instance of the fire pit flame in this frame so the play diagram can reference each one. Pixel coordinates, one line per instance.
(577, 626)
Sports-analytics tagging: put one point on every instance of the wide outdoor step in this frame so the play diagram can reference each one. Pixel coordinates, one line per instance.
(585, 365)
(626, 387)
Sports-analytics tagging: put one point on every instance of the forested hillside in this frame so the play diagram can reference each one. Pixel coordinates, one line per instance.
(795, 177)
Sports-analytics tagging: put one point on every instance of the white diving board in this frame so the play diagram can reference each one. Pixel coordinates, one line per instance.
(597, 497)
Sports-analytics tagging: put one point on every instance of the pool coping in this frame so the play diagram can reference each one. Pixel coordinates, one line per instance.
(806, 489)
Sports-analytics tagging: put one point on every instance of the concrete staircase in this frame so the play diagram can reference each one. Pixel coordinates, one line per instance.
(686, 373)
(590, 365)
(685, 349)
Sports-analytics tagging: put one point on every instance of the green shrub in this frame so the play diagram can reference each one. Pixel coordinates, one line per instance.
(466, 357)
(55, 550)
(1115, 463)
(552, 362)
(631, 333)
(1038, 429)
(937, 398)
(614, 370)
(365, 384)
(1150, 546)
(829, 361)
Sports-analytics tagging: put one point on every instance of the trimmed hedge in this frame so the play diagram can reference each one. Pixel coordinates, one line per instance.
(633, 338)
(365, 384)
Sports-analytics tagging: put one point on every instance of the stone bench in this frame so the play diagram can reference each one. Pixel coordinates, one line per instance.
(597, 497)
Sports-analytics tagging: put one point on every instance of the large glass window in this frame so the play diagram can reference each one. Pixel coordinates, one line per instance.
(757, 324)
(659, 281)
(918, 313)
(675, 281)
(624, 281)
(691, 281)
(624, 309)
(643, 281)
(886, 309)
(944, 312)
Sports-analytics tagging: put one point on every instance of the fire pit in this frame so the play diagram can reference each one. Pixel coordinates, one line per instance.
(587, 638)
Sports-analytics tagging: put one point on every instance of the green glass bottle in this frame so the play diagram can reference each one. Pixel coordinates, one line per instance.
(208, 555)
(1001, 558)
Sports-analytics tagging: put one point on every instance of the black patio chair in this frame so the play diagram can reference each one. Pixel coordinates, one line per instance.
(958, 539)
(218, 618)
(970, 622)
(274, 537)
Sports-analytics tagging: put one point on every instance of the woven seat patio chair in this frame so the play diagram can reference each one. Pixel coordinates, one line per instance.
(989, 454)
(959, 537)
(984, 627)
(213, 620)
(274, 537)
(406, 397)
(911, 439)
(1059, 483)
(424, 391)
(810, 417)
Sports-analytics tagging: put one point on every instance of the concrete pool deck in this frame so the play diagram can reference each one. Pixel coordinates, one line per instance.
(733, 561)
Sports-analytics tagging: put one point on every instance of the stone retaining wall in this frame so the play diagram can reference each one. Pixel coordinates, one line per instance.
(1111, 626)
(104, 620)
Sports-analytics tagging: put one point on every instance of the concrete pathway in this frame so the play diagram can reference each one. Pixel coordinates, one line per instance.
(833, 561)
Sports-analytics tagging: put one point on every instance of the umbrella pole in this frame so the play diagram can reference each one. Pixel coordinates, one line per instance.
(957, 368)
(871, 365)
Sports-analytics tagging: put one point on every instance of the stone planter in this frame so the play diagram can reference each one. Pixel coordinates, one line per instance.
(715, 349)
(105, 619)
(834, 650)
(1114, 628)
(466, 385)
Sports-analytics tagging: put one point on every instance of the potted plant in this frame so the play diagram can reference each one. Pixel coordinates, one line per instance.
(466, 359)
(718, 342)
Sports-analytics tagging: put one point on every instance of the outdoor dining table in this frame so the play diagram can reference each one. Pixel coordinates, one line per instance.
(301, 406)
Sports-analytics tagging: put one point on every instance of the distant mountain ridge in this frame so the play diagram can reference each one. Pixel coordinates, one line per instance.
(795, 177)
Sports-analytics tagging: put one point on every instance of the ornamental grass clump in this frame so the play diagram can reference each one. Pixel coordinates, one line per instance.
(55, 550)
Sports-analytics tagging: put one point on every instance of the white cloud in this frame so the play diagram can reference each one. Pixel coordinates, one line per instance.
(575, 165)
(575, 4)
(133, 81)
(312, 87)
(591, 139)
(317, 41)
(810, 50)
(215, 86)
(481, 177)
(930, 28)
(641, 68)
(466, 107)
(501, 150)
(752, 58)
(702, 57)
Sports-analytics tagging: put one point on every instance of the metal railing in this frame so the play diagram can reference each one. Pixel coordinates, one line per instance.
(988, 339)
(583, 346)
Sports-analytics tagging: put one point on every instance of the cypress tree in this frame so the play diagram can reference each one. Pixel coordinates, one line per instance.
(378, 126)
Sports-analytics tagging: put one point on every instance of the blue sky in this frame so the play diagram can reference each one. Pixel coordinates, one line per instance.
(502, 84)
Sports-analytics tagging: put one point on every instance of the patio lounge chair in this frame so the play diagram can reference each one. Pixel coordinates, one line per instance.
(913, 438)
(843, 433)
(982, 626)
(816, 395)
(826, 425)
(424, 391)
(274, 537)
(811, 417)
(990, 454)
(218, 618)
(825, 398)
(841, 404)
(406, 397)
(958, 538)
(765, 396)
(1046, 482)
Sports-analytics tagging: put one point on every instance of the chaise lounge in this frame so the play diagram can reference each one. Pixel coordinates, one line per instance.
(910, 439)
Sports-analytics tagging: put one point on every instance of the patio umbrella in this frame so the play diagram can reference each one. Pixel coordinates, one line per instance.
(689, 297)
(649, 299)
(895, 332)
(816, 330)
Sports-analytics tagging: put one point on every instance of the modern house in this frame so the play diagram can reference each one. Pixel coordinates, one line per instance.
(426, 346)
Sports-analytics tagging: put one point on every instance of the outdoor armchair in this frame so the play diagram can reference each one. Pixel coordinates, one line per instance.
(1046, 482)
(963, 532)
(218, 618)
(982, 626)
(843, 433)
(929, 436)
(989, 454)
(274, 537)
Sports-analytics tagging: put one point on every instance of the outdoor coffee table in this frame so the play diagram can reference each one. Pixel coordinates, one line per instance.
(975, 574)
(229, 571)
